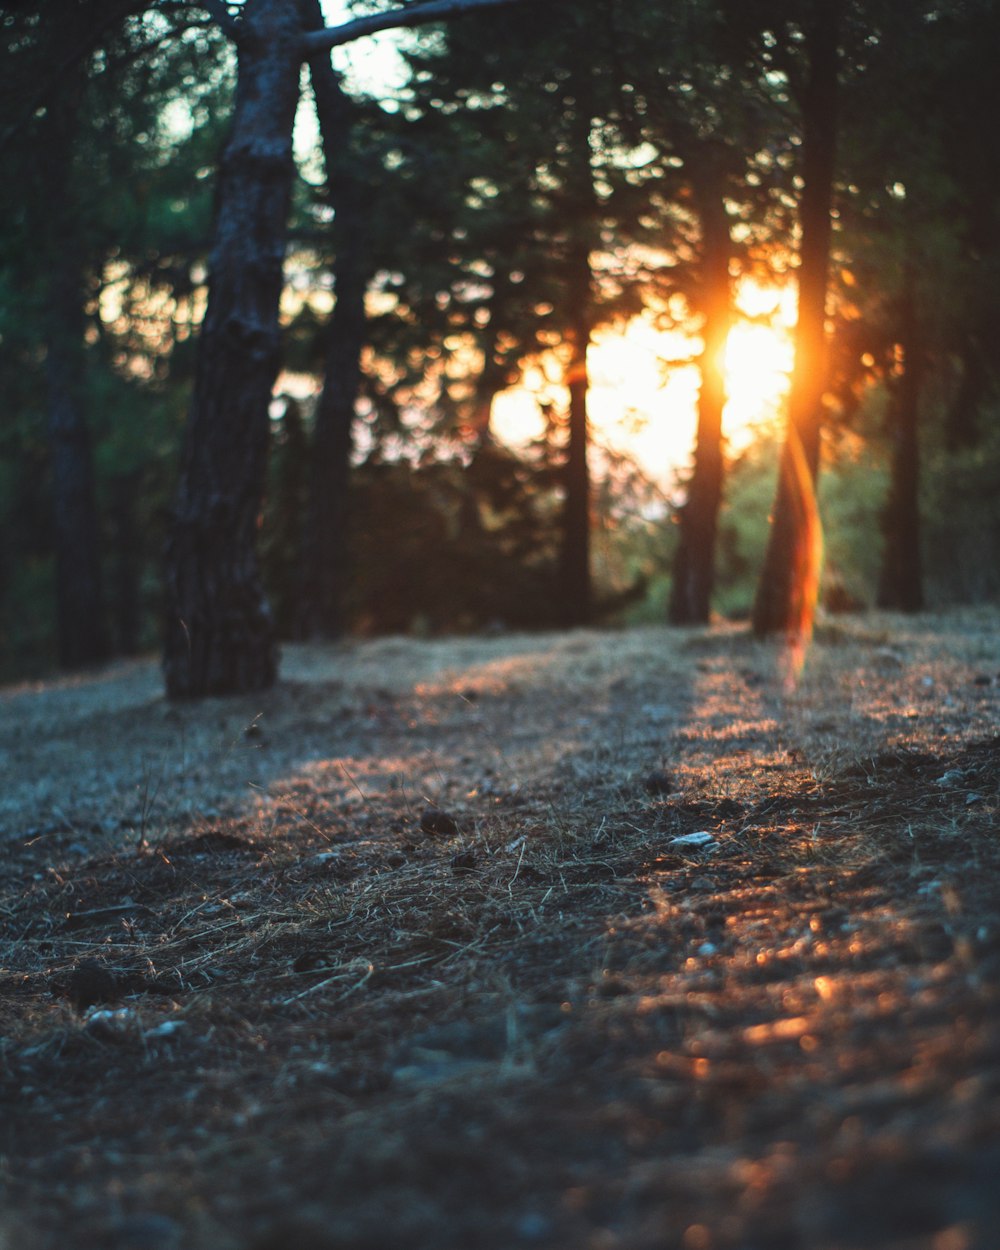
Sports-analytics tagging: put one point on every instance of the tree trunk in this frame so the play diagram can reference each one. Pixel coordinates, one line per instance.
(788, 585)
(80, 618)
(575, 582)
(220, 636)
(900, 580)
(324, 557)
(575, 554)
(963, 418)
(694, 562)
(127, 566)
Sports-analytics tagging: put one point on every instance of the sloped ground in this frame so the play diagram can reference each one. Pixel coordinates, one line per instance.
(418, 950)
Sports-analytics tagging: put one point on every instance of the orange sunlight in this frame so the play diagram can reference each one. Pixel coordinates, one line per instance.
(644, 384)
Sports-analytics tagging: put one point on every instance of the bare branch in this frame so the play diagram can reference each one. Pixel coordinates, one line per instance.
(394, 19)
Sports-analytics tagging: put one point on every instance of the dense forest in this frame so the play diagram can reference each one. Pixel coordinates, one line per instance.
(256, 310)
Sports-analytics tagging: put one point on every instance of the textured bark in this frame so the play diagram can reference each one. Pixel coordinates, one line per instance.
(694, 562)
(325, 541)
(900, 579)
(80, 617)
(220, 636)
(781, 603)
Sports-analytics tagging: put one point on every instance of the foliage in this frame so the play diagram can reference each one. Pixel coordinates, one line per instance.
(478, 197)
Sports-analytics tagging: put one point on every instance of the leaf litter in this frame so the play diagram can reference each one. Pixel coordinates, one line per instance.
(572, 941)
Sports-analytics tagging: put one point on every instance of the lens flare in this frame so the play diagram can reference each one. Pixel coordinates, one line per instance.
(807, 553)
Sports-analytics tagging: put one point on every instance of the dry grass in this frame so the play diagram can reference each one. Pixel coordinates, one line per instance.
(335, 1021)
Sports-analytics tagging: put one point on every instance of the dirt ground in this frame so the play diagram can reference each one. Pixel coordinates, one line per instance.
(573, 942)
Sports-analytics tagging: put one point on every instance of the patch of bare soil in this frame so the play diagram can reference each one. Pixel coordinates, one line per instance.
(570, 941)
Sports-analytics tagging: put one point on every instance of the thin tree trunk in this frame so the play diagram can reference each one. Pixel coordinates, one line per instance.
(575, 554)
(220, 635)
(694, 562)
(80, 616)
(494, 377)
(963, 418)
(575, 579)
(788, 582)
(325, 542)
(900, 580)
(127, 563)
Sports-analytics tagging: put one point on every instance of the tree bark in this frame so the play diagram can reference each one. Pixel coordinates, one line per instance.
(575, 554)
(220, 636)
(127, 567)
(788, 582)
(694, 561)
(900, 579)
(963, 419)
(325, 544)
(82, 634)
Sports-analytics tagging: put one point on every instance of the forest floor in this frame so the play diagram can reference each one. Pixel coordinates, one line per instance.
(571, 942)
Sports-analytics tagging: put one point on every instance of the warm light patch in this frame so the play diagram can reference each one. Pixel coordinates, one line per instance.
(644, 384)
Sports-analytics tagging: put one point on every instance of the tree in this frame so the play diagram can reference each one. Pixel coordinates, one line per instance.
(81, 624)
(351, 178)
(900, 581)
(789, 580)
(219, 633)
(537, 212)
(694, 561)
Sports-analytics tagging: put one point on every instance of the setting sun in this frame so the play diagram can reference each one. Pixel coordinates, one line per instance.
(645, 383)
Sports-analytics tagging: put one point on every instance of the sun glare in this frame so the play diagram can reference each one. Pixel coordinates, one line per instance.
(645, 382)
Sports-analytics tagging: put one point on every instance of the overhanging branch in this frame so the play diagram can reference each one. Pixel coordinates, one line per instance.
(394, 19)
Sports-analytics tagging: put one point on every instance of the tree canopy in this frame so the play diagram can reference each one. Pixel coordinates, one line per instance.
(254, 356)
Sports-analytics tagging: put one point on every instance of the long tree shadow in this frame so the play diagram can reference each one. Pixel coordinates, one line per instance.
(651, 975)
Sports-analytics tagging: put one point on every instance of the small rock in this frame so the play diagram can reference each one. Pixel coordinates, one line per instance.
(434, 821)
(658, 782)
(701, 838)
(111, 1024)
(166, 1029)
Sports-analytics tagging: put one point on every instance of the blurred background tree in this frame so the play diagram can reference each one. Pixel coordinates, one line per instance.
(526, 194)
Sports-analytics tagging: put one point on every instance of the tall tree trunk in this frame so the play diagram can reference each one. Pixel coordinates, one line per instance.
(127, 566)
(325, 541)
(220, 636)
(581, 207)
(963, 418)
(495, 376)
(900, 579)
(80, 617)
(694, 562)
(575, 553)
(789, 579)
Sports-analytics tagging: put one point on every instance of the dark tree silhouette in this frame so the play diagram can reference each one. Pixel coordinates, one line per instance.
(786, 587)
(82, 633)
(900, 581)
(219, 629)
(694, 561)
(350, 187)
